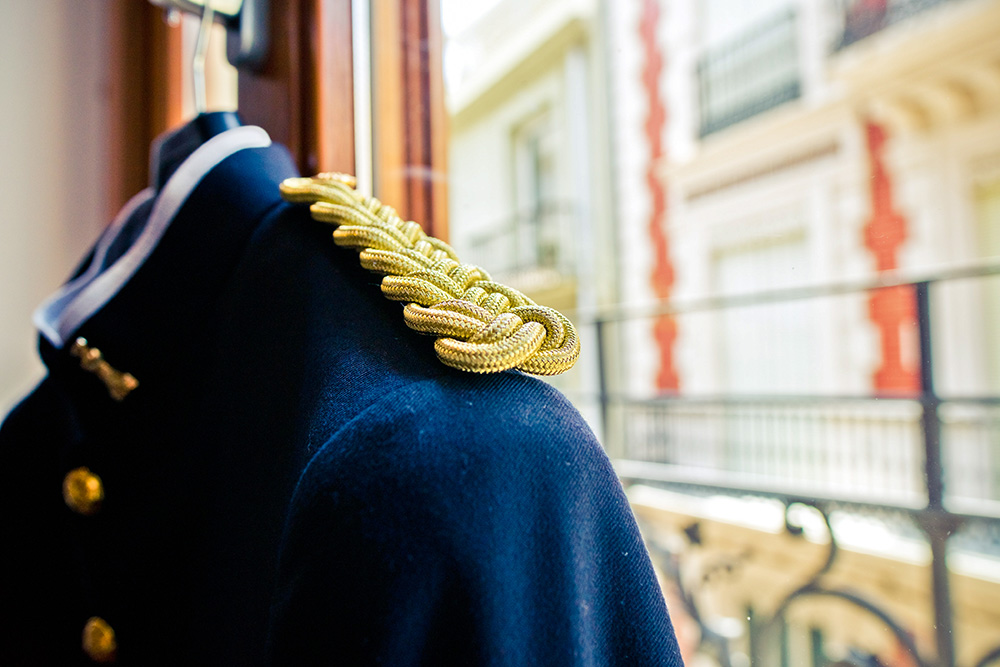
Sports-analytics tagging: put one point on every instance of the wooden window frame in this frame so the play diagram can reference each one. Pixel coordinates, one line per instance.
(144, 92)
(303, 96)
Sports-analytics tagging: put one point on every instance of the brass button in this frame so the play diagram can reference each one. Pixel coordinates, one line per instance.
(99, 641)
(83, 491)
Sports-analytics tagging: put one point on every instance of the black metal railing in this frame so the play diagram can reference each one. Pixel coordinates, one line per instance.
(750, 75)
(932, 461)
(849, 447)
(862, 18)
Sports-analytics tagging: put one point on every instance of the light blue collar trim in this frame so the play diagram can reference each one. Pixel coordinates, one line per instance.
(64, 312)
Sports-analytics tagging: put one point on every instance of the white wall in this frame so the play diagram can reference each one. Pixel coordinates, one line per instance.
(53, 159)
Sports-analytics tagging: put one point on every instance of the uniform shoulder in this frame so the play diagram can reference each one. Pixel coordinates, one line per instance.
(491, 429)
(469, 512)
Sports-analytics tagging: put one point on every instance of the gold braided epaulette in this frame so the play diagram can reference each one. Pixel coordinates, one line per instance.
(482, 326)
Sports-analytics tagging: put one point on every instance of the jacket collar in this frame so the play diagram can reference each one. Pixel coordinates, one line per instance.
(155, 277)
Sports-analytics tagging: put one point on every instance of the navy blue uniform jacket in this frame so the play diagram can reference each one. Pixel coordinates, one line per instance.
(297, 480)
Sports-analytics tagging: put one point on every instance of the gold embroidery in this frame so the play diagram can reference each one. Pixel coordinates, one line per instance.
(482, 326)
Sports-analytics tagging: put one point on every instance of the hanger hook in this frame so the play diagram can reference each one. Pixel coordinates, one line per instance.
(198, 64)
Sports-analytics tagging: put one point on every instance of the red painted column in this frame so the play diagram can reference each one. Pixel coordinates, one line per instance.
(665, 326)
(892, 310)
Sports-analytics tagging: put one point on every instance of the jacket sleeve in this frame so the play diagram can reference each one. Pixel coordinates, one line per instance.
(461, 522)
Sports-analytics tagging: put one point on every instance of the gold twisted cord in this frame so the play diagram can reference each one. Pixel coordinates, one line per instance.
(482, 326)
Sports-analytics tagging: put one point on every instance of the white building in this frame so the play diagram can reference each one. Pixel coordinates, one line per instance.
(770, 148)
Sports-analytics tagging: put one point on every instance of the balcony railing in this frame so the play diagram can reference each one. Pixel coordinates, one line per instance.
(930, 460)
(750, 75)
(863, 18)
(864, 449)
(869, 449)
(530, 249)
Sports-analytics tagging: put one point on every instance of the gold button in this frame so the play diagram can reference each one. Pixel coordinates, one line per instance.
(99, 641)
(83, 491)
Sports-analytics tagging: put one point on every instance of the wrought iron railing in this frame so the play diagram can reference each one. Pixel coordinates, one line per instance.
(754, 73)
(863, 18)
(930, 461)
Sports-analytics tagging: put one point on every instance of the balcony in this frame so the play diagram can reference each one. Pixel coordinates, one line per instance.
(530, 251)
(919, 65)
(750, 75)
(863, 18)
(808, 528)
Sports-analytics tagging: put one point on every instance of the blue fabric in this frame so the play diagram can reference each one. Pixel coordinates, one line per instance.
(299, 481)
(492, 532)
